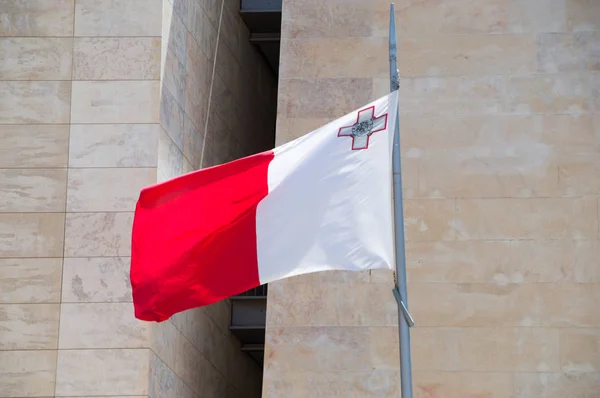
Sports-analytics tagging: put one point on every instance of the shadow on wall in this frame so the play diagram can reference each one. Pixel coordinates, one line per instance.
(218, 95)
(218, 103)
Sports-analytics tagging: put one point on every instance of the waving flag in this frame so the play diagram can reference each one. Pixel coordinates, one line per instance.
(320, 202)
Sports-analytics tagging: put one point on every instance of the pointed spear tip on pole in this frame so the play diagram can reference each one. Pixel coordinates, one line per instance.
(392, 25)
(392, 37)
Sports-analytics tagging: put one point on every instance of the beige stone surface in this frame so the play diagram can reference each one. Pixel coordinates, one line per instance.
(173, 77)
(170, 158)
(101, 325)
(582, 15)
(195, 145)
(335, 18)
(119, 58)
(34, 102)
(363, 308)
(31, 234)
(27, 373)
(553, 218)
(430, 219)
(33, 145)
(297, 97)
(96, 279)
(194, 103)
(556, 385)
(331, 52)
(481, 305)
(352, 384)
(48, 167)
(174, 29)
(499, 140)
(115, 102)
(117, 18)
(561, 93)
(459, 55)
(166, 341)
(35, 58)
(317, 349)
(469, 349)
(98, 234)
(187, 167)
(580, 350)
(472, 16)
(37, 18)
(106, 189)
(503, 262)
(448, 96)
(30, 280)
(28, 326)
(566, 52)
(113, 145)
(165, 383)
(462, 385)
(190, 365)
(32, 190)
(594, 81)
(172, 117)
(107, 371)
(228, 115)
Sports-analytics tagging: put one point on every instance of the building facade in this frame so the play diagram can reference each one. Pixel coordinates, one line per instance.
(99, 98)
(500, 124)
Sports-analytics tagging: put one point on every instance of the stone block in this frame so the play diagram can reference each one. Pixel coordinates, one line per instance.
(32, 190)
(29, 326)
(115, 102)
(31, 234)
(106, 189)
(37, 18)
(122, 58)
(109, 18)
(30, 280)
(35, 102)
(27, 373)
(107, 371)
(98, 234)
(101, 325)
(113, 145)
(36, 58)
(96, 279)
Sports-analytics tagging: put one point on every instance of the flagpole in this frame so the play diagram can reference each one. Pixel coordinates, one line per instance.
(405, 321)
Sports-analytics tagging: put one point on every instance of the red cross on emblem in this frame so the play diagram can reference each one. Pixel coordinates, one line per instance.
(366, 124)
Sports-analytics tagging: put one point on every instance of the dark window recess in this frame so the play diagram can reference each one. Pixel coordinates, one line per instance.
(248, 320)
(263, 19)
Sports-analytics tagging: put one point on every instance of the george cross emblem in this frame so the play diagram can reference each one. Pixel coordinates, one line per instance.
(366, 124)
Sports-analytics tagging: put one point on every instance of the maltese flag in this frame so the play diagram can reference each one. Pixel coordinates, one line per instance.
(321, 202)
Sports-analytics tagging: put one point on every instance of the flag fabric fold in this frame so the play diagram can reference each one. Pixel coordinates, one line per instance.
(320, 202)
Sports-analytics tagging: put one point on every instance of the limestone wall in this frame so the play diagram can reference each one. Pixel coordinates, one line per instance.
(79, 102)
(99, 98)
(499, 103)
